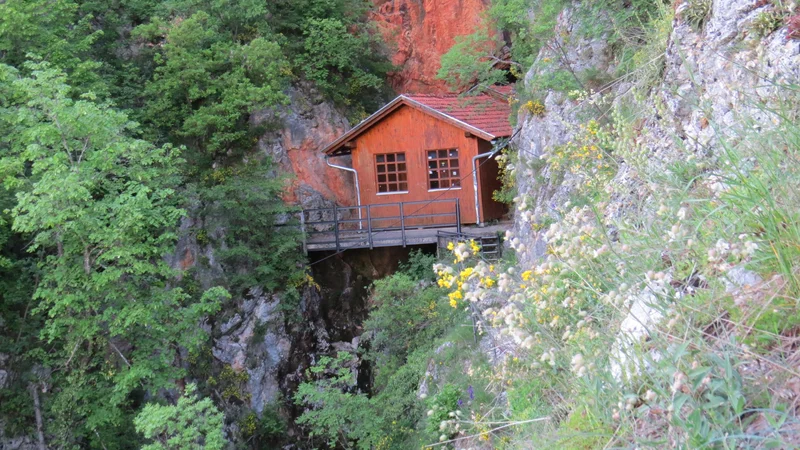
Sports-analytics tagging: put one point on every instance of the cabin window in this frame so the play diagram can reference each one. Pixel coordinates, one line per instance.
(443, 170)
(392, 172)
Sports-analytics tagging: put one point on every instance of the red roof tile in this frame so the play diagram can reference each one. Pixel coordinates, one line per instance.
(484, 112)
(486, 115)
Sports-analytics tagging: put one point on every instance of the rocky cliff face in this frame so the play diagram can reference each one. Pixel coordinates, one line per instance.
(419, 32)
(295, 135)
(716, 75)
(268, 345)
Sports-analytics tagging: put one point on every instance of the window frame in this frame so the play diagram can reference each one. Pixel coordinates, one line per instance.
(450, 178)
(397, 172)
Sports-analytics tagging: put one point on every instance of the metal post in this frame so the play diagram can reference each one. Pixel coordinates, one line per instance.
(369, 226)
(336, 226)
(402, 225)
(458, 216)
(303, 230)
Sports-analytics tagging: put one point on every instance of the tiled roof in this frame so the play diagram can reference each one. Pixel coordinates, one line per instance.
(486, 115)
(484, 112)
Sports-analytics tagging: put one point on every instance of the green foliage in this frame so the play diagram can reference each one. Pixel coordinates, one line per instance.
(643, 52)
(333, 413)
(407, 315)
(255, 250)
(193, 423)
(419, 265)
(209, 80)
(342, 63)
(100, 209)
(443, 404)
(94, 201)
(470, 61)
(766, 22)
(54, 31)
(507, 161)
(473, 59)
(696, 13)
(270, 428)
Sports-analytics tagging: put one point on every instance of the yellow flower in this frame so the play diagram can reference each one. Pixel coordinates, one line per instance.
(526, 275)
(474, 247)
(454, 298)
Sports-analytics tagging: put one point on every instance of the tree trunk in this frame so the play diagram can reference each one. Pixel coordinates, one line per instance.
(37, 409)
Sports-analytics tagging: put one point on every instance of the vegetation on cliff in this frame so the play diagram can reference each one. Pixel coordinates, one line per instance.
(120, 120)
(652, 302)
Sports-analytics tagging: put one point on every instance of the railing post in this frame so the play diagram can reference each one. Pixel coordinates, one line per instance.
(303, 231)
(402, 225)
(336, 226)
(369, 226)
(458, 216)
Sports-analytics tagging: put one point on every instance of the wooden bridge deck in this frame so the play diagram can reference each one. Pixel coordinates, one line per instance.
(397, 238)
(391, 225)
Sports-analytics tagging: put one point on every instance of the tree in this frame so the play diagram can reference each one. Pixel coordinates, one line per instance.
(208, 82)
(528, 24)
(339, 62)
(344, 419)
(53, 30)
(192, 424)
(100, 209)
(255, 249)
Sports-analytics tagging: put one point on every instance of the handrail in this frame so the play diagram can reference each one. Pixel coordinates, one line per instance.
(376, 205)
(345, 237)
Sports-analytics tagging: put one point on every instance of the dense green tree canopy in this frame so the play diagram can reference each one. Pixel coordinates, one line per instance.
(118, 120)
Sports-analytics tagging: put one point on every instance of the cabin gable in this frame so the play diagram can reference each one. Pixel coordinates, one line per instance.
(418, 151)
(413, 134)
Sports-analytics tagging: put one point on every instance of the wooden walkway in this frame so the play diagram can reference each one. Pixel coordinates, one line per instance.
(392, 225)
(396, 238)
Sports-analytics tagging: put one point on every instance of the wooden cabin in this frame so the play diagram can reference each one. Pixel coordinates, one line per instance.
(423, 148)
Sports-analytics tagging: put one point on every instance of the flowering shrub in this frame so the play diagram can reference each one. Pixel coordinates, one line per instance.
(506, 162)
(470, 280)
(587, 156)
(534, 108)
(615, 315)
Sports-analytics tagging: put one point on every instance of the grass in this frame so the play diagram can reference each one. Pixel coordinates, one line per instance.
(716, 350)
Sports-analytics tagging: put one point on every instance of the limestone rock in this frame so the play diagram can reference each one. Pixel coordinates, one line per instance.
(297, 133)
(419, 32)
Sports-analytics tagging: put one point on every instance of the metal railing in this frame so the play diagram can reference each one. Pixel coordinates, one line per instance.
(491, 245)
(378, 225)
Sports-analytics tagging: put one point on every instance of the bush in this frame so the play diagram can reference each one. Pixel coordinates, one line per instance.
(696, 13)
(765, 23)
(407, 315)
(192, 423)
(342, 418)
(419, 265)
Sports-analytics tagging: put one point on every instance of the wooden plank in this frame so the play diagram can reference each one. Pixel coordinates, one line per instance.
(413, 132)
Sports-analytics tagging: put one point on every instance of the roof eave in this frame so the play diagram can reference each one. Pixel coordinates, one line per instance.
(335, 148)
(448, 118)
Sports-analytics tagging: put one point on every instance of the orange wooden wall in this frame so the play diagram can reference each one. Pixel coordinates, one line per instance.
(413, 132)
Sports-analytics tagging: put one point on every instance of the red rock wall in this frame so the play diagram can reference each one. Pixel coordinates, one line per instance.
(419, 32)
